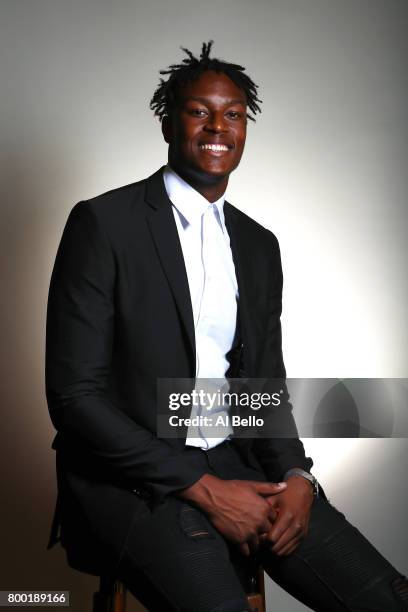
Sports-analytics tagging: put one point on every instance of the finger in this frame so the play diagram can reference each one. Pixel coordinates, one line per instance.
(292, 544)
(289, 548)
(294, 532)
(269, 488)
(244, 549)
(282, 523)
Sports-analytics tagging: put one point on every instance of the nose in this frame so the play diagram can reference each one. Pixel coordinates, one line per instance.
(216, 123)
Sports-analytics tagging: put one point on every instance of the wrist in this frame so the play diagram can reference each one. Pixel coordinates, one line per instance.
(306, 476)
(199, 493)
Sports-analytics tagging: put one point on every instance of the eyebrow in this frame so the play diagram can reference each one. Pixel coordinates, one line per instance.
(205, 100)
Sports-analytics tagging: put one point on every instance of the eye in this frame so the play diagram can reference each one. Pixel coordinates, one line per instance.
(198, 112)
(234, 114)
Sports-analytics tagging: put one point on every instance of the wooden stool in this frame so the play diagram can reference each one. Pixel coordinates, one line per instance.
(111, 596)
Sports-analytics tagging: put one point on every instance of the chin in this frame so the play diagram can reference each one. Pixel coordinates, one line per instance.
(216, 171)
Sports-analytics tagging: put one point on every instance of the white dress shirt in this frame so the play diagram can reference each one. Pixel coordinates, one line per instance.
(213, 288)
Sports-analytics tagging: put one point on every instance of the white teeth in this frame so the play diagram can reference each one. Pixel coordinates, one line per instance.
(214, 147)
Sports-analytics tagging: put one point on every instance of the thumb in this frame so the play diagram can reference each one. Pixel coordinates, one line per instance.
(269, 488)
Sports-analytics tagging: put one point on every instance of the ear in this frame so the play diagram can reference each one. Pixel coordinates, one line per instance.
(166, 129)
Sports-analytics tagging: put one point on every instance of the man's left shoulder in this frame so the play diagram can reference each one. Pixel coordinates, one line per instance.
(256, 232)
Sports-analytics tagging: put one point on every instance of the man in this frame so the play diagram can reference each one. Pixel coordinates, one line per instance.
(165, 279)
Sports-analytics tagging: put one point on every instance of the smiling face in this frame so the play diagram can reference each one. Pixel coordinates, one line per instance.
(206, 130)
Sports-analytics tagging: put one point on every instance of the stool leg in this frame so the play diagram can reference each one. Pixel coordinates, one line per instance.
(119, 597)
(111, 596)
(256, 600)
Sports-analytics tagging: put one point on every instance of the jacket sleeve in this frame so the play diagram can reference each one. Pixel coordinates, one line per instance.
(277, 455)
(79, 339)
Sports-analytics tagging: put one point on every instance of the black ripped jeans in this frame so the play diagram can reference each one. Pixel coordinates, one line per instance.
(175, 560)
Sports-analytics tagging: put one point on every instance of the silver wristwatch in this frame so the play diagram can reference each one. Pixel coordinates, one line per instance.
(304, 474)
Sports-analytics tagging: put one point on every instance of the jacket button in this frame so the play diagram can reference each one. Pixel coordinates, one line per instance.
(142, 493)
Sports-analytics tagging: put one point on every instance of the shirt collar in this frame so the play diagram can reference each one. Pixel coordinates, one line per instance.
(189, 202)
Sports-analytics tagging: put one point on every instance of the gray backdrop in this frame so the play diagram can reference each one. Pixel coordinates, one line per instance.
(324, 168)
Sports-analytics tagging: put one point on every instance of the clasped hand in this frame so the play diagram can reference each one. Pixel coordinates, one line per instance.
(251, 513)
(291, 509)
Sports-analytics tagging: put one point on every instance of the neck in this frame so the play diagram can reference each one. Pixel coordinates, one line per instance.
(211, 188)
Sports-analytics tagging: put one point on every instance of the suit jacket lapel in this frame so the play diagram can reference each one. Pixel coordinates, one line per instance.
(244, 273)
(164, 233)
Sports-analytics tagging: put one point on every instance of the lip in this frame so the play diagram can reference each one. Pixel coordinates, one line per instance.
(215, 153)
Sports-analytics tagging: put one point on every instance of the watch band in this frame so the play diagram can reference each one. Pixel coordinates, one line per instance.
(304, 474)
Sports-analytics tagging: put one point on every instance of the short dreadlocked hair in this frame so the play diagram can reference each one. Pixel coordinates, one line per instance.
(190, 69)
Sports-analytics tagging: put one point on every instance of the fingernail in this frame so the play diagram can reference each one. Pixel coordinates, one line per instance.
(281, 484)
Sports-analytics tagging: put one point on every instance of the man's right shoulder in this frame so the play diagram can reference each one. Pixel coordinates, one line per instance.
(117, 208)
(116, 200)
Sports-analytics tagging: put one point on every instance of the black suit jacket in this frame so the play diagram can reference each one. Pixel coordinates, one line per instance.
(119, 317)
